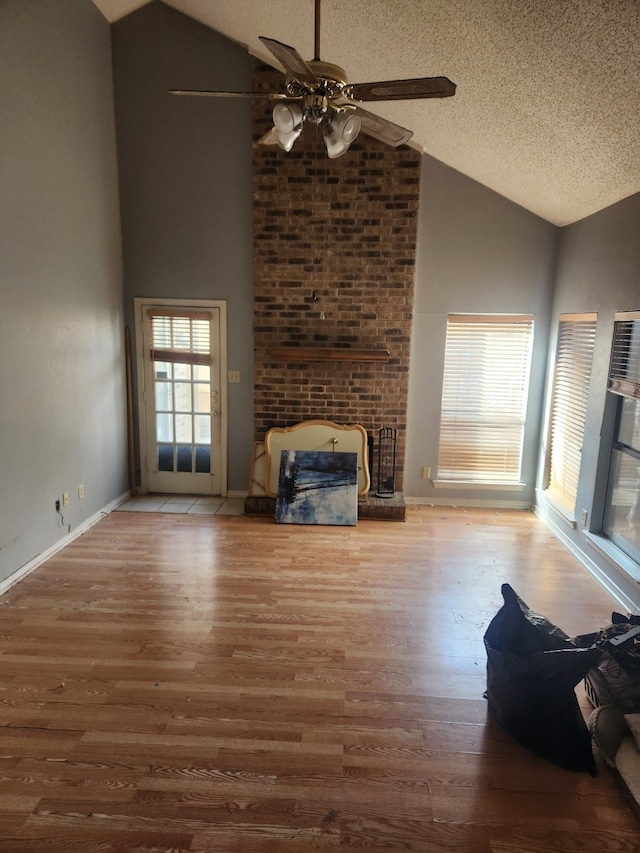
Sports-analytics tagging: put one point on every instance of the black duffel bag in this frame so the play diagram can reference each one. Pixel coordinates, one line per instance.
(532, 670)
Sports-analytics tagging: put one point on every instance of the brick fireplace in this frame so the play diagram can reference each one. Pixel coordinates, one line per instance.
(334, 262)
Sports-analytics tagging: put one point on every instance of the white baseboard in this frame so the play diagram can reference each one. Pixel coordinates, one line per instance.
(469, 502)
(33, 564)
(601, 576)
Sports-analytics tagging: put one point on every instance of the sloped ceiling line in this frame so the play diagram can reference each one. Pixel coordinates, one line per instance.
(547, 110)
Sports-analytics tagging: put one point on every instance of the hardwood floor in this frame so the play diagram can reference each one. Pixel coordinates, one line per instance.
(203, 683)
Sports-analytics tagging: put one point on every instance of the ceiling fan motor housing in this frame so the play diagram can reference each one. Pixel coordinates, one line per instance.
(315, 107)
(316, 97)
(327, 72)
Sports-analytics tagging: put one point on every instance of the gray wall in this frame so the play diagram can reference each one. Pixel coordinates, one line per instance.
(598, 271)
(62, 392)
(186, 185)
(477, 253)
(185, 176)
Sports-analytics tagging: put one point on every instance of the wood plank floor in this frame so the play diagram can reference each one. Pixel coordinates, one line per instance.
(188, 683)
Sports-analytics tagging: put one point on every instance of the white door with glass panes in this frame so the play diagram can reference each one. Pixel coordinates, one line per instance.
(181, 405)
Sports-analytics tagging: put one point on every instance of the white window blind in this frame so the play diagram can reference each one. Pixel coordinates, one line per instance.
(624, 370)
(574, 356)
(484, 397)
(184, 338)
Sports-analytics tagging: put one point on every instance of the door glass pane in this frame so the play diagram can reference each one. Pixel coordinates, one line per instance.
(165, 457)
(183, 428)
(203, 460)
(202, 397)
(163, 370)
(163, 396)
(202, 429)
(201, 372)
(182, 371)
(184, 455)
(182, 391)
(164, 427)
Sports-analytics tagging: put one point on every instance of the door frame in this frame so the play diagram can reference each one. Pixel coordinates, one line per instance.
(141, 303)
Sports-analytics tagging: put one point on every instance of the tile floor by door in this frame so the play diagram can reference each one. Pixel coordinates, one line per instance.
(187, 504)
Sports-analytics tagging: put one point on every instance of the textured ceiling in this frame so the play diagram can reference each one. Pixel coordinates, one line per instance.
(547, 110)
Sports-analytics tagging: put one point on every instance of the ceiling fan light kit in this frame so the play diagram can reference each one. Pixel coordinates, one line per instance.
(287, 123)
(287, 117)
(317, 92)
(339, 132)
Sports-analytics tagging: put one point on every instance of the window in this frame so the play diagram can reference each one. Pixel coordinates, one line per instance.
(181, 357)
(574, 355)
(484, 398)
(622, 508)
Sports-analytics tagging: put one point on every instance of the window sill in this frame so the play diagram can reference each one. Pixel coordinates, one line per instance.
(489, 486)
(564, 514)
(613, 555)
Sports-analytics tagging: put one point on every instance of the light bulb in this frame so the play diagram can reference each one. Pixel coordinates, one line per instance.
(286, 140)
(287, 124)
(347, 125)
(339, 132)
(287, 117)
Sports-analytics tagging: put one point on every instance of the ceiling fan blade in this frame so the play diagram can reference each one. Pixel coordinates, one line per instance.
(290, 59)
(382, 129)
(402, 90)
(203, 93)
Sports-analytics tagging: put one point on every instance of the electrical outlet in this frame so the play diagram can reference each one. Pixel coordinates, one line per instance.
(57, 506)
(80, 492)
(65, 499)
(426, 472)
(234, 376)
(584, 516)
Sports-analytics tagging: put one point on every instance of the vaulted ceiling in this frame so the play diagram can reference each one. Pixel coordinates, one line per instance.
(547, 109)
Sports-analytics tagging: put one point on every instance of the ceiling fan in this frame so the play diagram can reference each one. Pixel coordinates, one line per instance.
(318, 92)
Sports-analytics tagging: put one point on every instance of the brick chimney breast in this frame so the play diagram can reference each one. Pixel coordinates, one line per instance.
(334, 264)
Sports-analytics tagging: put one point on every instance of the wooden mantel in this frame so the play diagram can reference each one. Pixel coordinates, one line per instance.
(296, 354)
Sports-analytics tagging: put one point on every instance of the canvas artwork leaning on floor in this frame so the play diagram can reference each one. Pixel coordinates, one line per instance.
(317, 487)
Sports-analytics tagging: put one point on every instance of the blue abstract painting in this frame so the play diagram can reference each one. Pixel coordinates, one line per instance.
(317, 487)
